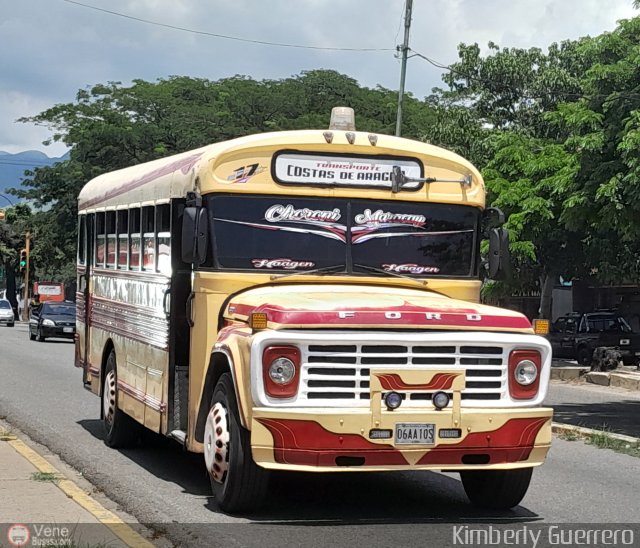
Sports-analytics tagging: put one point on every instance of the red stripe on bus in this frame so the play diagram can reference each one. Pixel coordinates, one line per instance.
(410, 315)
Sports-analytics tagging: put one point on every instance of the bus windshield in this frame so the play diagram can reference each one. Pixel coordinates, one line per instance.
(277, 233)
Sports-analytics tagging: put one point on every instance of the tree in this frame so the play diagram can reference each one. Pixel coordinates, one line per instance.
(111, 126)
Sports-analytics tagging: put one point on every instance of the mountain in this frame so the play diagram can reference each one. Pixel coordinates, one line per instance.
(12, 167)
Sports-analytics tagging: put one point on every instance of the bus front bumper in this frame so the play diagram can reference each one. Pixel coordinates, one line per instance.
(323, 440)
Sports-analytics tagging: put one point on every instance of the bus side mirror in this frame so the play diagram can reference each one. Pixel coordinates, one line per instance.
(195, 235)
(499, 258)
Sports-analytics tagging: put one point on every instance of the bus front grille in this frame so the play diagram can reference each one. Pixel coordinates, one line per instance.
(339, 373)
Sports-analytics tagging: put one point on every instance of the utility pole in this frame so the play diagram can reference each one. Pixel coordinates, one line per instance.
(25, 305)
(403, 69)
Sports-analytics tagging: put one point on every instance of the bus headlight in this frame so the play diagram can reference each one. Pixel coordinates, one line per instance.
(525, 372)
(281, 371)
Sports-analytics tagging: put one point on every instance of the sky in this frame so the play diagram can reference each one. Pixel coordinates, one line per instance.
(50, 49)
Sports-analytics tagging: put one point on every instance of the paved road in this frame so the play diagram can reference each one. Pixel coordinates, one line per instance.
(607, 408)
(41, 393)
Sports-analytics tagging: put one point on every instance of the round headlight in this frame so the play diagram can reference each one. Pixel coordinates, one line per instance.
(282, 370)
(392, 400)
(525, 372)
(440, 400)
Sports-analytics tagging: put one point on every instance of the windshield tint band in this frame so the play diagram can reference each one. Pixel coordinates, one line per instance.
(286, 234)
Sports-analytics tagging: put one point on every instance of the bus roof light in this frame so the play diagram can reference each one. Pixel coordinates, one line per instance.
(343, 118)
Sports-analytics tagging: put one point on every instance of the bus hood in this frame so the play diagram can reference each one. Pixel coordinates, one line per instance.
(300, 306)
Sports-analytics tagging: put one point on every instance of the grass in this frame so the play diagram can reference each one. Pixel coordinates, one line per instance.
(6, 435)
(44, 476)
(602, 439)
(568, 435)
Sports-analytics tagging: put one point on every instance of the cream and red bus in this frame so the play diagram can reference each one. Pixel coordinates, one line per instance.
(309, 301)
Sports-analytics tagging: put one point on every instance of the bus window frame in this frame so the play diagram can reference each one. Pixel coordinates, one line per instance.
(135, 219)
(100, 236)
(122, 236)
(110, 223)
(148, 212)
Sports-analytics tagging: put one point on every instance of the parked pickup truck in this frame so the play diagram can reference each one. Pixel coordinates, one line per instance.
(576, 336)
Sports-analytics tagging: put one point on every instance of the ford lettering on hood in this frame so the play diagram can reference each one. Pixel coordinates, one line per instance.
(319, 306)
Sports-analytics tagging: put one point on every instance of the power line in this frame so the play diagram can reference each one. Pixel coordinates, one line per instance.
(489, 83)
(225, 36)
(28, 164)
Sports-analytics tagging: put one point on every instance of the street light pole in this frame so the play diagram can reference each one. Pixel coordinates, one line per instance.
(403, 69)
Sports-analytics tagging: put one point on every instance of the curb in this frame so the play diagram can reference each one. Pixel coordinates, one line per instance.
(582, 432)
(568, 372)
(120, 528)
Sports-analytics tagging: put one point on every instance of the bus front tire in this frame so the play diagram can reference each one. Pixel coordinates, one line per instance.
(496, 489)
(120, 430)
(237, 482)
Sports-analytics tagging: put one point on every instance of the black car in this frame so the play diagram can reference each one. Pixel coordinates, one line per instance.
(576, 336)
(53, 319)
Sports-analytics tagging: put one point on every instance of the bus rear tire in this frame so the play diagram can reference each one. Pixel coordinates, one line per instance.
(237, 482)
(496, 489)
(120, 430)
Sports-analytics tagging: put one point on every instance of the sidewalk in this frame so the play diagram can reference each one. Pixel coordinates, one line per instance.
(39, 505)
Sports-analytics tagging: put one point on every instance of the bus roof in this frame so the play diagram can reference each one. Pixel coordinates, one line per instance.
(246, 165)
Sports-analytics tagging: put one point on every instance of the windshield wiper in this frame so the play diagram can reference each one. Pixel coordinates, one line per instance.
(322, 270)
(386, 273)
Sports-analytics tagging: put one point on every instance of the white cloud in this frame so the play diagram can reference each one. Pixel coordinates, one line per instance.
(17, 136)
(50, 48)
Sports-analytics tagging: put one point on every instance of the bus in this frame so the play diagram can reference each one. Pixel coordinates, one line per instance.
(309, 300)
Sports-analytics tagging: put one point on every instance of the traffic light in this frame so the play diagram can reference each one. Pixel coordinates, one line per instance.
(23, 260)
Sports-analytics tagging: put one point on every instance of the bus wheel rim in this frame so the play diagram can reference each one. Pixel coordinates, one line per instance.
(216, 443)
(109, 397)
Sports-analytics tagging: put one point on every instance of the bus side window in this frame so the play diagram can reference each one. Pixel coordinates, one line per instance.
(111, 239)
(135, 244)
(123, 238)
(148, 238)
(163, 226)
(82, 239)
(100, 249)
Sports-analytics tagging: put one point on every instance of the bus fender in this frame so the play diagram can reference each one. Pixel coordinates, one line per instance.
(224, 359)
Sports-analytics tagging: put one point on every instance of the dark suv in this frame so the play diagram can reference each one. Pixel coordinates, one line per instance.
(576, 336)
(53, 319)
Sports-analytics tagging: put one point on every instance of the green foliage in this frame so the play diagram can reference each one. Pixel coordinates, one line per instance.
(111, 126)
(556, 134)
(560, 134)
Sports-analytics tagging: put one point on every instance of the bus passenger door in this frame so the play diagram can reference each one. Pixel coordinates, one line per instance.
(176, 301)
(83, 302)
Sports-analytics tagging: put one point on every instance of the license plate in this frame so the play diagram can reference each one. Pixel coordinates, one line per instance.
(419, 434)
(67, 329)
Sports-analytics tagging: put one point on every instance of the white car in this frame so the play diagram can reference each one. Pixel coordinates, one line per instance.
(6, 313)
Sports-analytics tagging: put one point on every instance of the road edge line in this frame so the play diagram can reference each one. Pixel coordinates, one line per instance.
(558, 428)
(121, 529)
